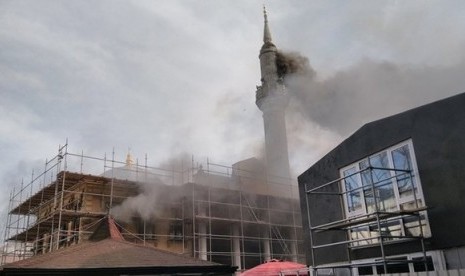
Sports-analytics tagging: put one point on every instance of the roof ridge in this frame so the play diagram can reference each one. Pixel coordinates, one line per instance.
(113, 229)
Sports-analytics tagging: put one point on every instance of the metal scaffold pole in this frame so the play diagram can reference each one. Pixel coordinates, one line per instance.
(5, 252)
(60, 210)
(28, 214)
(18, 222)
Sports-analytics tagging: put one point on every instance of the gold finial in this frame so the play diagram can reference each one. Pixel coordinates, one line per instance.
(129, 160)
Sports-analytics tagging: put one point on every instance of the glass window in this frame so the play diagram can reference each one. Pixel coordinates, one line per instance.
(382, 180)
(402, 161)
(365, 174)
(365, 270)
(376, 177)
(398, 265)
(352, 185)
(175, 231)
(419, 264)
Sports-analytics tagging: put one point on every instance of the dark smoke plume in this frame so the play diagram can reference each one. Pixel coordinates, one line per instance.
(288, 63)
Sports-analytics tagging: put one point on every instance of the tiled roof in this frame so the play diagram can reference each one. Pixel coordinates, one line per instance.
(111, 250)
(107, 253)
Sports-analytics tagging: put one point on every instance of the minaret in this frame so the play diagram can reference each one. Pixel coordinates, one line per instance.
(272, 100)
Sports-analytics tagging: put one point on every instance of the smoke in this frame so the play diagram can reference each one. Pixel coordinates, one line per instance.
(177, 163)
(293, 63)
(142, 205)
(322, 112)
(152, 194)
(364, 92)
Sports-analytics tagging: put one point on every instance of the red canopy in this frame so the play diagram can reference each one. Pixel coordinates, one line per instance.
(274, 268)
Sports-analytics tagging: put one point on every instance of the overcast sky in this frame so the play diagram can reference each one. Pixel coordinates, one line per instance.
(171, 77)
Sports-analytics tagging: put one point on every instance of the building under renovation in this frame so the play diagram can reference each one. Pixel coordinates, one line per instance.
(108, 253)
(227, 215)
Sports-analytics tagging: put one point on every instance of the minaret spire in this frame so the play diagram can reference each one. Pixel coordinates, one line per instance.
(272, 100)
(266, 31)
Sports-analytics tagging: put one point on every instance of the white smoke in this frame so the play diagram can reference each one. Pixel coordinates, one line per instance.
(151, 197)
(142, 205)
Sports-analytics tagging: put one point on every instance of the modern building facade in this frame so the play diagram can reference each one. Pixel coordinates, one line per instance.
(389, 197)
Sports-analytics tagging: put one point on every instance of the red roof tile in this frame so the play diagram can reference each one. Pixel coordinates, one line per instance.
(114, 232)
(107, 249)
(107, 253)
(275, 268)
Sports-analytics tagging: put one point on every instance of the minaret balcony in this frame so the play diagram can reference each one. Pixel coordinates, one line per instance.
(272, 102)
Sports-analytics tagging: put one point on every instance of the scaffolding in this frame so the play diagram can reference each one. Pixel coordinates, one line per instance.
(368, 230)
(229, 215)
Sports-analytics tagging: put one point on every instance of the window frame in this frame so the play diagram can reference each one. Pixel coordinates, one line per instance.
(436, 256)
(416, 182)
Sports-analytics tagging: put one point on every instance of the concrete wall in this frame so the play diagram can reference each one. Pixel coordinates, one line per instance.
(456, 272)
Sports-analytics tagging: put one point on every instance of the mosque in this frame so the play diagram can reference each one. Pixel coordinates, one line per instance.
(242, 215)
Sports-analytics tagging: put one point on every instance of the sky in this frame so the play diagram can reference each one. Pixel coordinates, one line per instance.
(167, 78)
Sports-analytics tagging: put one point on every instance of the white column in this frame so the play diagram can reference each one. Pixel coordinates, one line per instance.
(202, 240)
(236, 247)
(277, 156)
(45, 243)
(266, 246)
(202, 232)
(293, 245)
(70, 232)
